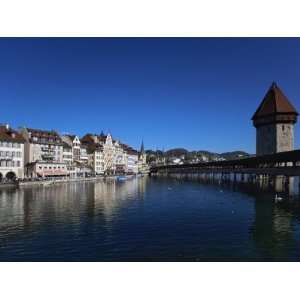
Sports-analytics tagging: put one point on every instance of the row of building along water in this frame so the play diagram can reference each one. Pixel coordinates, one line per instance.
(34, 153)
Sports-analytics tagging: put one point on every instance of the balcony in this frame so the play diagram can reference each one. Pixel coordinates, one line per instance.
(47, 156)
(6, 158)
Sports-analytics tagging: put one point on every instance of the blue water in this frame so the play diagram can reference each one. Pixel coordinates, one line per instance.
(147, 219)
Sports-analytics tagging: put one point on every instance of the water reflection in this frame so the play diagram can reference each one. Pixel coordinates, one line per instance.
(276, 223)
(276, 228)
(152, 219)
(26, 210)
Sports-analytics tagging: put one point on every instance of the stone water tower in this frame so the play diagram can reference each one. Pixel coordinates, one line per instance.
(274, 122)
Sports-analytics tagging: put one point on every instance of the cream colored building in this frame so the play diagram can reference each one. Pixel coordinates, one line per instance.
(11, 154)
(42, 147)
(120, 158)
(108, 156)
(67, 154)
(96, 159)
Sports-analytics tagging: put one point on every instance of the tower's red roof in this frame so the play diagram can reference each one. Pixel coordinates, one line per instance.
(274, 102)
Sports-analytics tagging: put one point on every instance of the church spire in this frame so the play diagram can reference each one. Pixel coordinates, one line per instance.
(142, 148)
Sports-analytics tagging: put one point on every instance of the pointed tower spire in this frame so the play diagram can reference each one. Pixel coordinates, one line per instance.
(142, 148)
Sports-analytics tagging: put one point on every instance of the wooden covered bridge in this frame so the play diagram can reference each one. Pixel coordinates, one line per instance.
(283, 163)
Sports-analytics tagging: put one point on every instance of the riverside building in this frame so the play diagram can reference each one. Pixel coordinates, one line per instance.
(79, 166)
(108, 156)
(43, 153)
(11, 154)
(96, 152)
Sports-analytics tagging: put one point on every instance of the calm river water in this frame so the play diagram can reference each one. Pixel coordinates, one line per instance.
(148, 219)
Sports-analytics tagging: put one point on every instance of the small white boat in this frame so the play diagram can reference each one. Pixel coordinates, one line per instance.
(277, 198)
(48, 183)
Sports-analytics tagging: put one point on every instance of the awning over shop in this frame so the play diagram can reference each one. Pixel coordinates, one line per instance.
(53, 173)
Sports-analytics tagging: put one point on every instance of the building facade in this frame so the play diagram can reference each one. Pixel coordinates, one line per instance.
(43, 150)
(96, 161)
(67, 154)
(143, 167)
(46, 169)
(132, 162)
(121, 158)
(11, 154)
(79, 166)
(110, 157)
(274, 121)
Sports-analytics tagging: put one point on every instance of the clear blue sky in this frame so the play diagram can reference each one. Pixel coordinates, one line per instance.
(193, 93)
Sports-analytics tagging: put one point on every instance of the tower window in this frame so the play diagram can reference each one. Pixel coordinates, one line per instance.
(282, 127)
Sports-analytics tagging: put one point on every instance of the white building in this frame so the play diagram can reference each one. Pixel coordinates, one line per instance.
(84, 158)
(74, 143)
(108, 156)
(132, 162)
(96, 158)
(120, 158)
(94, 148)
(11, 154)
(67, 154)
(80, 158)
(131, 157)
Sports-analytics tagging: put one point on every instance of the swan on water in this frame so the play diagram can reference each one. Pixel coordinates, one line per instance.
(277, 198)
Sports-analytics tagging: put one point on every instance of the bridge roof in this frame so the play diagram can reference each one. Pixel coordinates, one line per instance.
(281, 157)
(274, 102)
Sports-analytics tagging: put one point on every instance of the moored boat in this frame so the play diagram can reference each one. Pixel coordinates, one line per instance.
(121, 178)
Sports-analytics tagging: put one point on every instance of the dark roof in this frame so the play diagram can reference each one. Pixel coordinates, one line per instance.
(10, 135)
(132, 152)
(91, 148)
(88, 138)
(42, 132)
(44, 136)
(71, 136)
(66, 145)
(128, 149)
(89, 143)
(100, 138)
(274, 102)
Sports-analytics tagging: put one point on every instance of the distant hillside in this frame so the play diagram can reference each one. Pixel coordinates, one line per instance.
(182, 155)
(235, 155)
